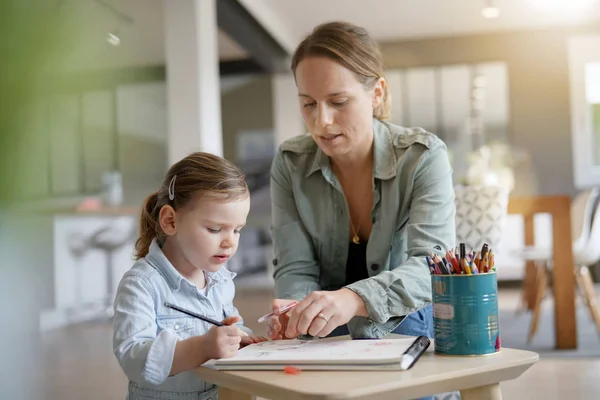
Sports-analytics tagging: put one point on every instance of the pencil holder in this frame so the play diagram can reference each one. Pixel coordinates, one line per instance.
(465, 314)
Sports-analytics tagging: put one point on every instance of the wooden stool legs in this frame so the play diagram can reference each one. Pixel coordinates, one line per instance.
(541, 279)
(586, 286)
(584, 283)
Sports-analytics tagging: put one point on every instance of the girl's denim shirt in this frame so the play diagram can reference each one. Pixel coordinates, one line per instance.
(413, 214)
(146, 332)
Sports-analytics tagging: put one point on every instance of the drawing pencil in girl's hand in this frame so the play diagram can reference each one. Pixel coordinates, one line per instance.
(193, 314)
(202, 317)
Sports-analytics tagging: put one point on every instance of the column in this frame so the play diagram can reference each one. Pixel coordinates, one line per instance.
(287, 120)
(287, 123)
(193, 87)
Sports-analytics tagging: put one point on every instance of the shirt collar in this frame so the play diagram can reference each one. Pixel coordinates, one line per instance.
(157, 258)
(384, 155)
(384, 151)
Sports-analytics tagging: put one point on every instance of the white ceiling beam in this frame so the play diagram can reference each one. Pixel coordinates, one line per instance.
(272, 23)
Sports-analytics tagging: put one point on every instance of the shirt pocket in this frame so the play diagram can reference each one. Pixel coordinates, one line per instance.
(229, 310)
(184, 327)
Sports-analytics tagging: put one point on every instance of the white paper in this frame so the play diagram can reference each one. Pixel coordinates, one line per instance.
(286, 352)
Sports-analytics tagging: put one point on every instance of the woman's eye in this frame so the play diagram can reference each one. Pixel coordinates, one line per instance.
(339, 103)
(213, 230)
(307, 105)
(237, 231)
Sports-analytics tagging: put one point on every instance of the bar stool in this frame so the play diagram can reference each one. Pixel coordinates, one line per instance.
(110, 239)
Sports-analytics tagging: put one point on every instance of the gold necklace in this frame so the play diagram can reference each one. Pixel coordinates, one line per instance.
(355, 238)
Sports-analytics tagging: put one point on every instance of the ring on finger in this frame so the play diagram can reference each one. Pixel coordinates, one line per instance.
(323, 317)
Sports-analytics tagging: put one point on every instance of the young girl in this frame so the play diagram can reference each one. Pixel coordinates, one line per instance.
(188, 230)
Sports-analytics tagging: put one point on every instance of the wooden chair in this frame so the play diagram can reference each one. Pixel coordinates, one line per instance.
(586, 251)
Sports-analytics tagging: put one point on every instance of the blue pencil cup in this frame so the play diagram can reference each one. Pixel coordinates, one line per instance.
(465, 314)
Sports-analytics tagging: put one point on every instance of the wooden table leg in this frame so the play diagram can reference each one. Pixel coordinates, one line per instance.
(529, 283)
(563, 281)
(228, 394)
(489, 392)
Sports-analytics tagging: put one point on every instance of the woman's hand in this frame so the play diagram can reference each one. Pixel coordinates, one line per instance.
(321, 312)
(278, 322)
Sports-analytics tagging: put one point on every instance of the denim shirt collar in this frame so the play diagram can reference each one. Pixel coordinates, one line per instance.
(158, 260)
(384, 156)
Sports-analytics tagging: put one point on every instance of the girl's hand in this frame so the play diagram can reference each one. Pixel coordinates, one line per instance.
(223, 341)
(250, 339)
(278, 323)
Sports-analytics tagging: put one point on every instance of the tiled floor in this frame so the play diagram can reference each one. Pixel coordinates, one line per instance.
(79, 363)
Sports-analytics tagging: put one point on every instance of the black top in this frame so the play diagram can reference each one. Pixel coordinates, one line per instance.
(356, 266)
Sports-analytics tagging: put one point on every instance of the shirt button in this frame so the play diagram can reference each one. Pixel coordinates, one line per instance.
(274, 262)
(176, 327)
(374, 267)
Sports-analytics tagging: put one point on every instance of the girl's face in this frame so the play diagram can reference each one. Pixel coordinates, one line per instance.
(206, 232)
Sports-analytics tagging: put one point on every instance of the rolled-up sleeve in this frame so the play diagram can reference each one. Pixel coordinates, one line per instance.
(407, 288)
(296, 271)
(142, 354)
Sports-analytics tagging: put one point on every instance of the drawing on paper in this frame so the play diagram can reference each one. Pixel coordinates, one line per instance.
(278, 345)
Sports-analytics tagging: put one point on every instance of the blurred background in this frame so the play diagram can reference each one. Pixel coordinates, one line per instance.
(99, 97)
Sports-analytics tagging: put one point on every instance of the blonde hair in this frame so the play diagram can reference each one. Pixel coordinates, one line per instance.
(199, 174)
(353, 48)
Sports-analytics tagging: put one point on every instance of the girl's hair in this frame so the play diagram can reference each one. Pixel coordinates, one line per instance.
(353, 48)
(199, 174)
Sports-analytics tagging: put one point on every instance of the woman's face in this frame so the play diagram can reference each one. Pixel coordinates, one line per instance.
(336, 107)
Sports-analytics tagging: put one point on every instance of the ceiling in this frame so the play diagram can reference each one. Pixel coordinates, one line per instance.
(142, 41)
(387, 20)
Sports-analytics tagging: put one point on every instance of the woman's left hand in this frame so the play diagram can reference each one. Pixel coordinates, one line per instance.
(323, 311)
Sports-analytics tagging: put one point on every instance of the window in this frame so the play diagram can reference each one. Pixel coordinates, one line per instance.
(584, 69)
(466, 105)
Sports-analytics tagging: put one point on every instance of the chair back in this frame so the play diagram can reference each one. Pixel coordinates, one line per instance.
(589, 252)
(582, 211)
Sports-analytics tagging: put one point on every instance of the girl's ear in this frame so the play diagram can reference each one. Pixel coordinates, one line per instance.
(166, 219)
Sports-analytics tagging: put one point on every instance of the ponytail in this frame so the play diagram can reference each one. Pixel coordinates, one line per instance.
(149, 226)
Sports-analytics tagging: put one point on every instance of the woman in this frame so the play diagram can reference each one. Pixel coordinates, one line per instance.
(358, 203)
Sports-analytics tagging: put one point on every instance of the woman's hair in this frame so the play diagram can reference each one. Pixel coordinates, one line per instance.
(353, 48)
(199, 174)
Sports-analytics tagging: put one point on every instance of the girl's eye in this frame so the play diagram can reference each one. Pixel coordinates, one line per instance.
(339, 103)
(237, 231)
(213, 230)
(307, 105)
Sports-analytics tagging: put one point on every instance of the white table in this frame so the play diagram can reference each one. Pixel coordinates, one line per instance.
(477, 378)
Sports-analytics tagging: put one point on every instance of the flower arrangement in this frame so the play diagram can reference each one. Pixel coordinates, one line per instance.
(490, 165)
